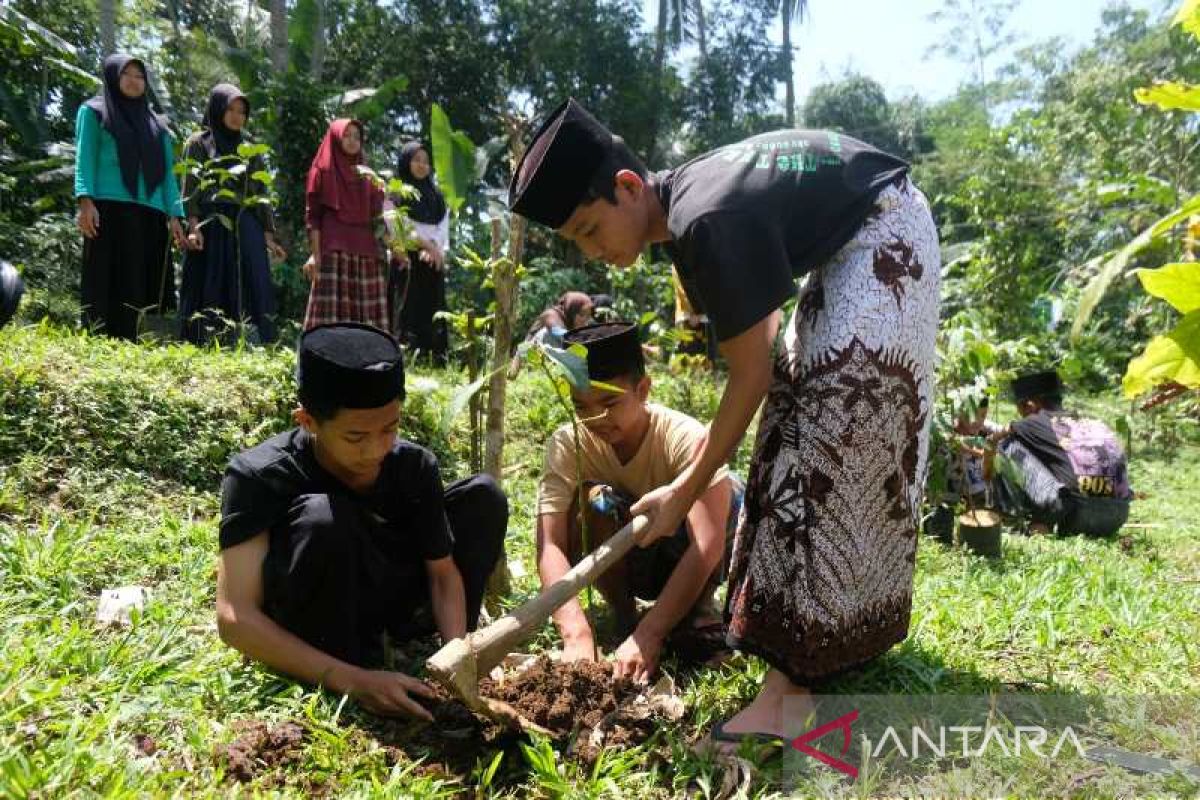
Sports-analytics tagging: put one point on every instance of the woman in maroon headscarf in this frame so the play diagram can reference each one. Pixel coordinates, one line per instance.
(349, 283)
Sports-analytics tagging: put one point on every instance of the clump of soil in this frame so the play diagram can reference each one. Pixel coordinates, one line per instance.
(450, 745)
(561, 696)
(260, 748)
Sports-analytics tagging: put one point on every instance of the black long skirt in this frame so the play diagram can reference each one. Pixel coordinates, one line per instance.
(426, 295)
(127, 270)
(215, 293)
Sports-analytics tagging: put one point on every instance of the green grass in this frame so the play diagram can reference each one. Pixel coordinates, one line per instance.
(109, 460)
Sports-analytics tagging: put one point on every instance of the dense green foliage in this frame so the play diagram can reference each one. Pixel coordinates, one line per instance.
(1035, 167)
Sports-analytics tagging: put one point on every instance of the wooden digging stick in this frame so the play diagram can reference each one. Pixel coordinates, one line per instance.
(460, 663)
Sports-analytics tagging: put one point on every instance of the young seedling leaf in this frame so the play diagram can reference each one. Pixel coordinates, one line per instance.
(462, 396)
(571, 365)
(608, 387)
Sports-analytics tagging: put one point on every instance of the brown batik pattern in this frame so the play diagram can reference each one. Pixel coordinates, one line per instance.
(821, 577)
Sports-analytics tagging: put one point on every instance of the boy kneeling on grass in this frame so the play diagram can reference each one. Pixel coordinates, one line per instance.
(338, 531)
(629, 447)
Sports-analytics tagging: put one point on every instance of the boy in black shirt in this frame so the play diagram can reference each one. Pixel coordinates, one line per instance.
(338, 531)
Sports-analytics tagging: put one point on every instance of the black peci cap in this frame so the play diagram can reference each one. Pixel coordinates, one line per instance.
(1033, 385)
(349, 365)
(614, 348)
(558, 165)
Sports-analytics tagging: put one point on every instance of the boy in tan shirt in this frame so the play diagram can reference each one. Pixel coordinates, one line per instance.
(629, 447)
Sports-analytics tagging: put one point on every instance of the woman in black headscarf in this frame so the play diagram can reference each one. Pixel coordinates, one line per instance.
(420, 289)
(227, 274)
(128, 201)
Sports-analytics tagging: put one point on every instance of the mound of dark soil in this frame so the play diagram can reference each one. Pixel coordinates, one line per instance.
(561, 697)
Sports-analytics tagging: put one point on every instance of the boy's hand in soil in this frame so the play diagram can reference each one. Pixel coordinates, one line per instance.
(387, 693)
(637, 657)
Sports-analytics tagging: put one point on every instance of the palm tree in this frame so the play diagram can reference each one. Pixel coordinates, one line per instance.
(279, 37)
(674, 27)
(108, 26)
(790, 11)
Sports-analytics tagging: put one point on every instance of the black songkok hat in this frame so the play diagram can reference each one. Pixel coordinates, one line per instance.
(614, 348)
(1033, 385)
(11, 289)
(349, 365)
(558, 165)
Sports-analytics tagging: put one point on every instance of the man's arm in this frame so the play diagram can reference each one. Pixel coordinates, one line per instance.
(243, 625)
(637, 657)
(553, 531)
(448, 597)
(706, 547)
(749, 357)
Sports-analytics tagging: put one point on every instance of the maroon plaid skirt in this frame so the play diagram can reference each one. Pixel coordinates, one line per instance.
(349, 288)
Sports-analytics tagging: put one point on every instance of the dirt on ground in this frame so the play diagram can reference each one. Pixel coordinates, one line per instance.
(260, 748)
(580, 701)
(451, 746)
(560, 697)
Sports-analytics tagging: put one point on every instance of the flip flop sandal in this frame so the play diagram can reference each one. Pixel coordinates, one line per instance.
(728, 745)
(719, 734)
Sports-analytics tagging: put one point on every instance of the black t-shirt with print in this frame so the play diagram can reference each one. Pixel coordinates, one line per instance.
(263, 482)
(747, 219)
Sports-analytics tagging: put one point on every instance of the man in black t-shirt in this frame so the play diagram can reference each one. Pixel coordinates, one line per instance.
(843, 436)
(740, 223)
(1058, 469)
(337, 531)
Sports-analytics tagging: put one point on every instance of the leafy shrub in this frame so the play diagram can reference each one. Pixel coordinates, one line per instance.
(643, 288)
(174, 412)
(177, 412)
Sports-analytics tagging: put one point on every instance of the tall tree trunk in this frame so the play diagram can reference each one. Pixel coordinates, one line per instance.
(789, 107)
(660, 38)
(279, 37)
(504, 277)
(316, 66)
(108, 26)
(660, 56)
(505, 281)
(701, 34)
